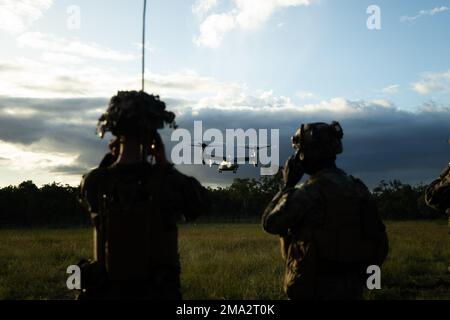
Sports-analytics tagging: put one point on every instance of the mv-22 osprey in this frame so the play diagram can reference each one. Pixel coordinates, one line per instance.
(227, 163)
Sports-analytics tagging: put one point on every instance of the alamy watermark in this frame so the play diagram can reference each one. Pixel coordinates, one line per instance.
(373, 281)
(73, 17)
(222, 147)
(74, 280)
(374, 19)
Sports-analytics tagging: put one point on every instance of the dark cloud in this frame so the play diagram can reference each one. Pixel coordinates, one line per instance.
(6, 67)
(13, 129)
(48, 125)
(380, 142)
(69, 169)
(54, 107)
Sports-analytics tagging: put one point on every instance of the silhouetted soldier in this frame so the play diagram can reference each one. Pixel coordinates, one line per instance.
(329, 227)
(437, 194)
(135, 205)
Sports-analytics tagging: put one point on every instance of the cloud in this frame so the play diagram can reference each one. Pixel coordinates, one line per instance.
(23, 159)
(423, 13)
(253, 13)
(244, 14)
(433, 82)
(213, 30)
(7, 66)
(381, 141)
(17, 15)
(61, 58)
(53, 78)
(202, 7)
(64, 68)
(392, 89)
(48, 42)
(56, 79)
(68, 169)
(305, 95)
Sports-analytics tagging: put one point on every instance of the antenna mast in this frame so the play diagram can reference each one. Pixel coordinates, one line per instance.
(143, 44)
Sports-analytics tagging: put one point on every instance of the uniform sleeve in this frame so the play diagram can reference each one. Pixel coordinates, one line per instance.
(187, 195)
(288, 209)
(89, 188)
(196, 199)
(107, 161)
(437, 194)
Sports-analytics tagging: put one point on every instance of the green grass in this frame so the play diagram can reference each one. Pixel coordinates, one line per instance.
(224, 261)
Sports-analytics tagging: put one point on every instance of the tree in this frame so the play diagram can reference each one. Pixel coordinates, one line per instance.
(245, 199)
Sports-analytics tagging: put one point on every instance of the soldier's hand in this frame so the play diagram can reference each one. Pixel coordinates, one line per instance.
(293, 171)
(158, 151)
(114, 147)
(111, 157)
(446, 171)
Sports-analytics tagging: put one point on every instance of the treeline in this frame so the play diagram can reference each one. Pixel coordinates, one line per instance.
(402, 201)
(51, 205)
(244, 200)
(247, 199)
(26, 205)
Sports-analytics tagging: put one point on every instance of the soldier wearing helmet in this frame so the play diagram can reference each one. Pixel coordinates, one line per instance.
(135, 198)
(329, 228)
(437, 194)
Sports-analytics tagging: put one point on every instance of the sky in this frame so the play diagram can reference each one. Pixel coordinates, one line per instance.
(271, 64)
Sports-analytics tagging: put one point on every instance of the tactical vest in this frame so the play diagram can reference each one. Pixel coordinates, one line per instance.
(135, 238)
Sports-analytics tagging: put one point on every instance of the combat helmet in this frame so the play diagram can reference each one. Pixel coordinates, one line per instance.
(315, 141)
(134, 112)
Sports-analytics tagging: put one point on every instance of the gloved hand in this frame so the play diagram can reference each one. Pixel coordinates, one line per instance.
(111, 156)
(293, 171)
(114, 147)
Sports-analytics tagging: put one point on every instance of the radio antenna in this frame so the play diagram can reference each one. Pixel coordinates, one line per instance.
(143, 44)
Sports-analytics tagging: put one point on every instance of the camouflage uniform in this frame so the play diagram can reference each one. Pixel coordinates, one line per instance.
(329, 229)
(437, 194)
(135, 208)
(322, 225)
(140, 254)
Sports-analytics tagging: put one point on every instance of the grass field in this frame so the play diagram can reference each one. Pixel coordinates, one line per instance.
(224, 261)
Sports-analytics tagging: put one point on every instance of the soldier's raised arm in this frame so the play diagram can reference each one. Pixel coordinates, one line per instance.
(289, 206)
(88, 191)
(287, 209)
(188, 196)
(184, 194)
(438, 193)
